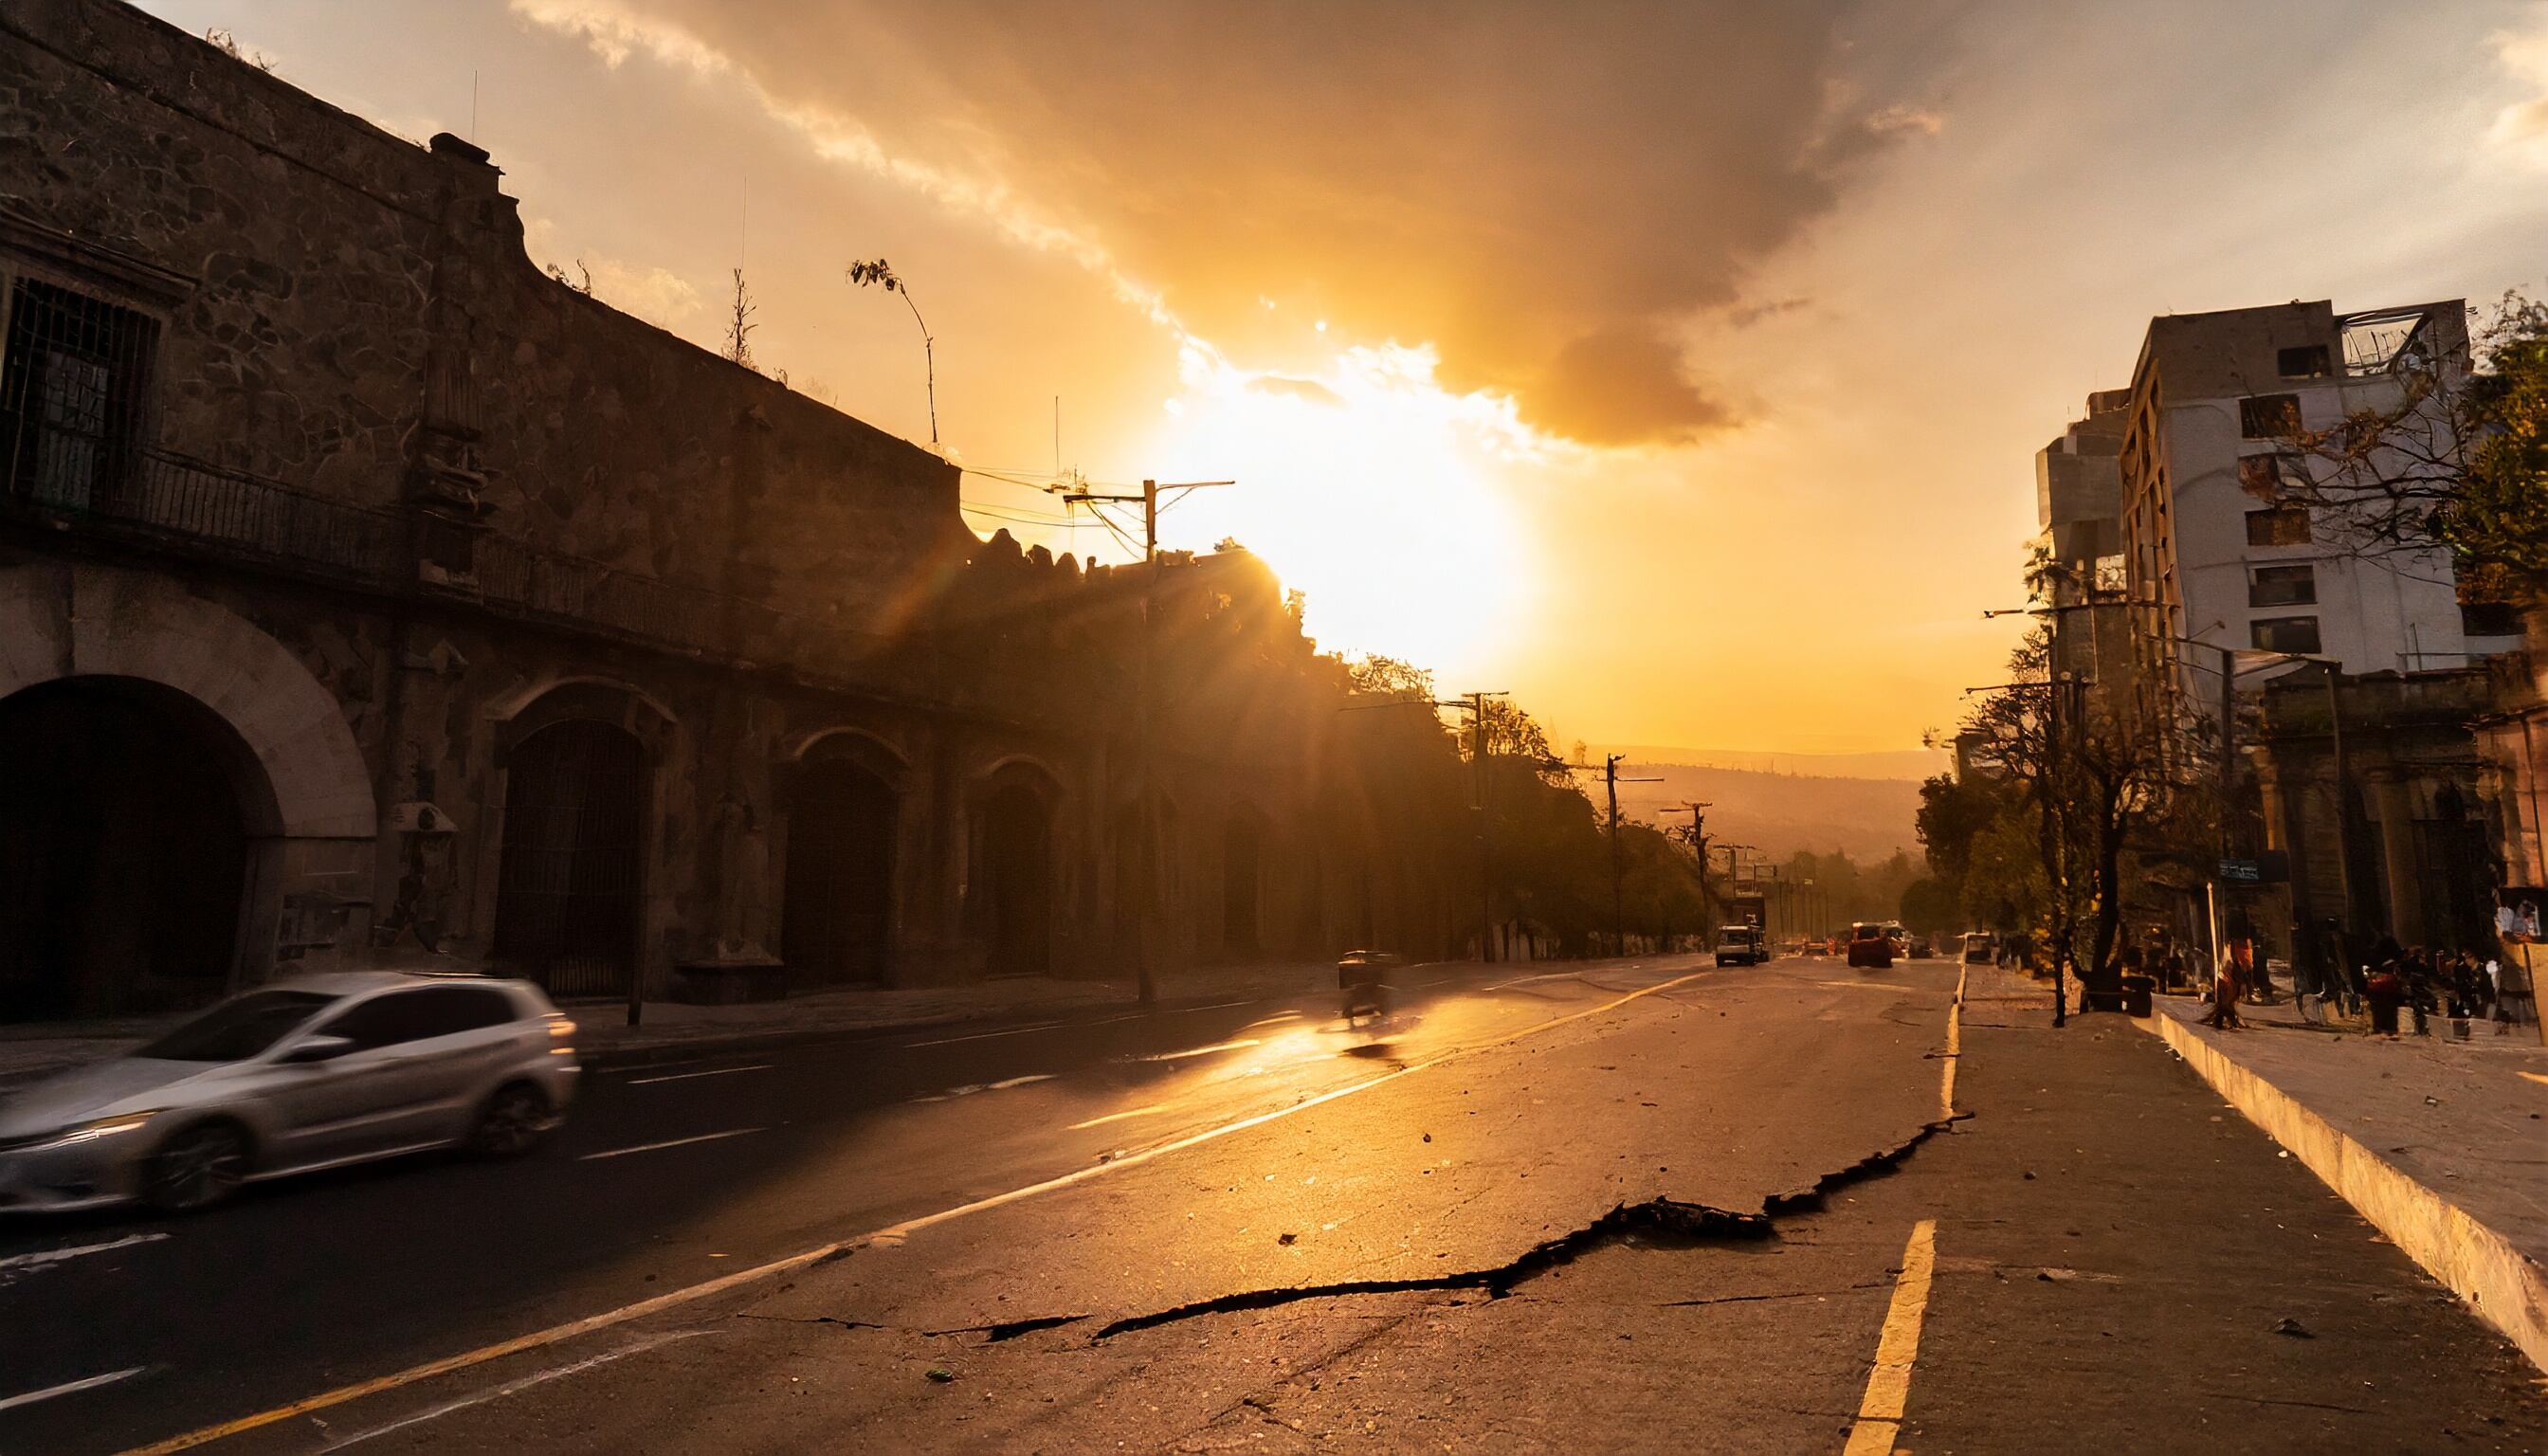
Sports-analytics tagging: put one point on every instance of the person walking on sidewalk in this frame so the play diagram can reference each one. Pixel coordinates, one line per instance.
(2224, 993)
(2385, 993)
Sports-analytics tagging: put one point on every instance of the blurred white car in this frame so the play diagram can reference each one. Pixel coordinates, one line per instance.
(289, 1078)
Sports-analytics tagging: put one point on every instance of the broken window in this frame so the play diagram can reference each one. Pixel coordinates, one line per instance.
(2284, 525)
(2490, 618)
(2284, 634)
(2282, 585)
(2266, 476)
(72, 378)
(2308, 361)
(2269, 417)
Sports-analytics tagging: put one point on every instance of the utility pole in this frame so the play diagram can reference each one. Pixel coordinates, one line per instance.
(1146, 793)
(1618, 913)
(1698, 848)
(1474, 705)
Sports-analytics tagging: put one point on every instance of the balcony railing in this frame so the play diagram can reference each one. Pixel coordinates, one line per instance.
(172, 504)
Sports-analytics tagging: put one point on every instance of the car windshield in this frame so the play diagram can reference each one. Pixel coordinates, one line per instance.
(237, 1029)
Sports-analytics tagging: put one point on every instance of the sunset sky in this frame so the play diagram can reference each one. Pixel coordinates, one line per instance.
(1679, 368)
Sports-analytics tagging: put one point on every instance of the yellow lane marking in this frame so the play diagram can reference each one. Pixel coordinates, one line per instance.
(2536, 1076)
(449, 1364)
(1889, 1385)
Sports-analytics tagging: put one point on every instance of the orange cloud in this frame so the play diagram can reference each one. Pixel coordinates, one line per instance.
(1540, 191)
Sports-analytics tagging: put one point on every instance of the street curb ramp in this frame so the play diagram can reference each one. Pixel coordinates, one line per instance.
(2505, 1285)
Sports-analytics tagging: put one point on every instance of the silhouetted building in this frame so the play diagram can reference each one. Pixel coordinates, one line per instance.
(361, 584)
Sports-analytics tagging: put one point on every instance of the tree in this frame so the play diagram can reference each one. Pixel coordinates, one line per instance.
(738, 332)
(2455, 457)
(877, 273)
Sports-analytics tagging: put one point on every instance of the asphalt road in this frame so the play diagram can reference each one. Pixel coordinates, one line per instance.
(1526, 1210)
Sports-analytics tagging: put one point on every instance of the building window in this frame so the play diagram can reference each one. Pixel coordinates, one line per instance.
(2269, 417)
(2284, 634)
(2489, 619)
(2283, 585)
(2309, 361)
(2267, 475)
(72, 381)
(2284, 525)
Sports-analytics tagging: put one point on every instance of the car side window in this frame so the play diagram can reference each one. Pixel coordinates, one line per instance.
(383, 1021)
(445, 1011)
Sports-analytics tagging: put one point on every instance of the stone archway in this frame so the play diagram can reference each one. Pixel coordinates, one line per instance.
(844, 820)
(580, 765)
(1013, 890)
(220, 813)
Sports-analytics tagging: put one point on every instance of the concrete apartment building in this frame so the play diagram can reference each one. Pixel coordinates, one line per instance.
(2079, 555)
(2212, 557)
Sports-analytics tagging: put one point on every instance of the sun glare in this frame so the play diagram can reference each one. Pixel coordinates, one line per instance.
(1367, 487)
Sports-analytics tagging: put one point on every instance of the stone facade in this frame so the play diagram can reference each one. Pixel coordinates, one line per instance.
(513, 626)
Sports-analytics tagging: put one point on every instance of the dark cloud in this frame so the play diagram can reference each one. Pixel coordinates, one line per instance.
(1623, 386)
(1539, 188)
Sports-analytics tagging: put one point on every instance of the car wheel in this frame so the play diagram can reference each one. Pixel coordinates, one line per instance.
(196, 1168)
(511, 1123)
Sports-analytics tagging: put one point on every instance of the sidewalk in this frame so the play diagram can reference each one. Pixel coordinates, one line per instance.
(2442, 1144)
(672, 1029)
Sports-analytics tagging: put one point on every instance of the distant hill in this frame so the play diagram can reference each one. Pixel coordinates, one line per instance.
(1778, 813)
(1912, 765)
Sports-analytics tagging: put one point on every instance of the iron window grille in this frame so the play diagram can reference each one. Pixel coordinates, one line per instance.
(74, 387)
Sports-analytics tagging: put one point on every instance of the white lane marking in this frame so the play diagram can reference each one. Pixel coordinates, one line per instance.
(1041, 1025)
(57, 1255)
(1549, 976)
(969, 1088)
(511, 1387)
(1217, 1006)
(718, 1072)
(1200, 1050)
(674, 1143)
(1117, 1117)
(69, 1387)
(1271, 1019)
(1889, 1385)
(673, 1298)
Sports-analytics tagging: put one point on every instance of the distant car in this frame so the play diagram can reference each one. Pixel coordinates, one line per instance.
(1741, 945)
(1869, 946)
(1922, 949)
(295, 1076)
(1981, 948)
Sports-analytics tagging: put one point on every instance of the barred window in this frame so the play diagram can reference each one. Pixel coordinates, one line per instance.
(73, 379)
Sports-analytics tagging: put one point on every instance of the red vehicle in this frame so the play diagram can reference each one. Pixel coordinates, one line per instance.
(1869, 946)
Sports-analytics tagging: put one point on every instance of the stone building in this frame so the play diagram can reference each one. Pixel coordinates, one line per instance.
(2374, 788)
(362, 585)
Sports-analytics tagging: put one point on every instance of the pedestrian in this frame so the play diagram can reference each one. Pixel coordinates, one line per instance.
(2419, 989)
(2385, 992)
(2224, 993)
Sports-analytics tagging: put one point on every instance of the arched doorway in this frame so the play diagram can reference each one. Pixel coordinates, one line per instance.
(1017, 879)
(124, 849)
(1242, 875)
(571, 890)
(837, 922)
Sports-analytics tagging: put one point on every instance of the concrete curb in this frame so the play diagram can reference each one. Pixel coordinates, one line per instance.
(2501, 1283)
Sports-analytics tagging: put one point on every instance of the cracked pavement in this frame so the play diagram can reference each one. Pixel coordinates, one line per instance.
(1569, 1221)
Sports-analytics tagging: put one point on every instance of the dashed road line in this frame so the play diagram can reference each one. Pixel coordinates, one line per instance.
(673, 1298)
(1041, 1026)
(69, 1388)
(721, 1071)
(1201, 1051)
(511, 1387)
(57, 1255)
(671, 1142)
(1889, 1385)
(1118, 1116)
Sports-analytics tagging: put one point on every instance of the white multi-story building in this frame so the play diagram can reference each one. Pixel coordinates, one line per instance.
(2214, 557)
